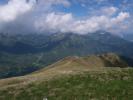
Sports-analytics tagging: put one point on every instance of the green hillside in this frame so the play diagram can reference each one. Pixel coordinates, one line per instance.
(99, 77)
(112, 85)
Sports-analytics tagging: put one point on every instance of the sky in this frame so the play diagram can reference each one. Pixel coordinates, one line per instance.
(76, 16)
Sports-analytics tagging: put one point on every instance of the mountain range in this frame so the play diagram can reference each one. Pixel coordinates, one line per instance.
(23, 54)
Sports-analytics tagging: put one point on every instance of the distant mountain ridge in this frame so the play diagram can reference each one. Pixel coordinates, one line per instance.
(128, 37)
(34, 43)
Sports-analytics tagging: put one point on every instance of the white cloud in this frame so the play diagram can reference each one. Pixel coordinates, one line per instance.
(67, 23)
(54, 22)
(121, 17)
(14, 8)
(109, 10)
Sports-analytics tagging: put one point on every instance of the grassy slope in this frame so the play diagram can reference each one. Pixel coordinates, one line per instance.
(106, 85)
(77, 78)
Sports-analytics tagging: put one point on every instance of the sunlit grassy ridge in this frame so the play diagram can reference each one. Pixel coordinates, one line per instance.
(100, 77)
